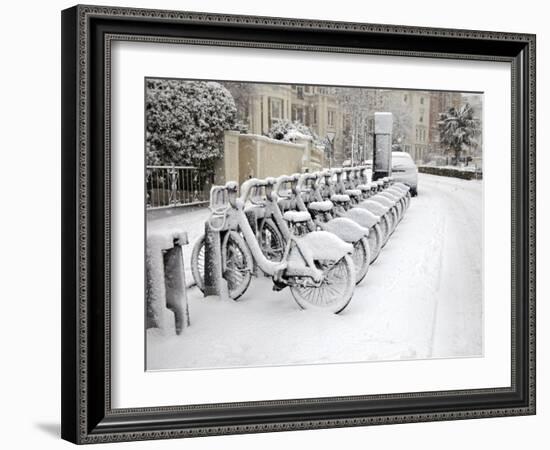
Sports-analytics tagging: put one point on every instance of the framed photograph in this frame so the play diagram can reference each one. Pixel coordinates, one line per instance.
(278, 224)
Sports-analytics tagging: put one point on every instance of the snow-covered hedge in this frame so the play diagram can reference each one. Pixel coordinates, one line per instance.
(186, 121)
(455, 172)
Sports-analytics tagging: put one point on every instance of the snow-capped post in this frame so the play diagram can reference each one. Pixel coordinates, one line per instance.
(167, 307)
(381, 161)
(213, 278)
(174, 283)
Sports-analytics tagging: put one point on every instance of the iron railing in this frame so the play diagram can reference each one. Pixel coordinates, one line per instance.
(169, 186)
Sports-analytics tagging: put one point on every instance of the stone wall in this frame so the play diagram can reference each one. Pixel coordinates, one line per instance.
(253, 156)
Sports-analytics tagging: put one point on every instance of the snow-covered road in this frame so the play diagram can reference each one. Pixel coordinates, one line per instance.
(422, 298)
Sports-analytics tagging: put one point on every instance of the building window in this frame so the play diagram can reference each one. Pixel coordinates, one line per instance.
(421, 100)
(300, 115)
(420, 134)
(405, 98)
(276, 110)
(307, 89)
(314, 116)
(300, 92)
(331, 118)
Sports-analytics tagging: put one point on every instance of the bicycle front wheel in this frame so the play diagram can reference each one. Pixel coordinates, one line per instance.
(197, 262)
(237, 264)
(375, 242)
(335, 291)
(271, 241)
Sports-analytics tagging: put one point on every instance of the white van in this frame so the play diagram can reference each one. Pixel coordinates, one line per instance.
(404, 170)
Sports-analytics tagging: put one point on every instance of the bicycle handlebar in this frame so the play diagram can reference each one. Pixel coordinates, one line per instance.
(248, 187)
(281, 181)
(302, 180)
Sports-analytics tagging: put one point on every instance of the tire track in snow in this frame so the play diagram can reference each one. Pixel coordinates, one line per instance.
(458, 316)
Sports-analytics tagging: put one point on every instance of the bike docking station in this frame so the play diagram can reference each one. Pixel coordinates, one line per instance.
(166, 287)
(215, 231)
(314, 234)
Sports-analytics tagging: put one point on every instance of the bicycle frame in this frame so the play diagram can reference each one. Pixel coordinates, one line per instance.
(298, 258)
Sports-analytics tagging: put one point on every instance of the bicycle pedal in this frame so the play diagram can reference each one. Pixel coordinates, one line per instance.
(278, 286)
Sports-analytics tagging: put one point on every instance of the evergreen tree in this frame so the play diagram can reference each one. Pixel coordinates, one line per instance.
(458, 129)
(185, 122)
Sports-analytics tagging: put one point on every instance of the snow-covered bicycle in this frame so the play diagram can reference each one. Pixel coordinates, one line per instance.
(317, 266)
(345, 228)
(373, 218)
(292, 192)
(378, 202)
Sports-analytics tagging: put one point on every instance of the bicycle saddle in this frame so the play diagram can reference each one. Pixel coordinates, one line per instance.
(340, 198)
(325, 205)
(297, 216)
(353, 192)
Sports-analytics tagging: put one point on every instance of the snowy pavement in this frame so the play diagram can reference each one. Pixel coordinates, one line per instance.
(422, 298)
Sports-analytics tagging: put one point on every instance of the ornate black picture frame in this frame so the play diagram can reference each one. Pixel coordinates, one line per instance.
(87, 35)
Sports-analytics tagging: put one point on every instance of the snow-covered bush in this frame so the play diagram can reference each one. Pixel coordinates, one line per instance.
(285, 130)
(186, 121)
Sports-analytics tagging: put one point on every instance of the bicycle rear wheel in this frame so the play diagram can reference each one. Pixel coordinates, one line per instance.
(335, 291)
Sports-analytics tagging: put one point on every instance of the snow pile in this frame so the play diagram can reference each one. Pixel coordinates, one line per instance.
(322, 245)
(363, 217)
(382, 200)
(346, 229)
(325, 205)
(365, 187)
(190, 220)
(395, 192)
(296, 135)
(340, 198)
(353, 192)
(389, 195)
(374, 207)
(166, 239)
(297, 216)
(285, 130)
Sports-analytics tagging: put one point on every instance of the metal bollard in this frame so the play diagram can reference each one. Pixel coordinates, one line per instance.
(166, 293)
(175, 287)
